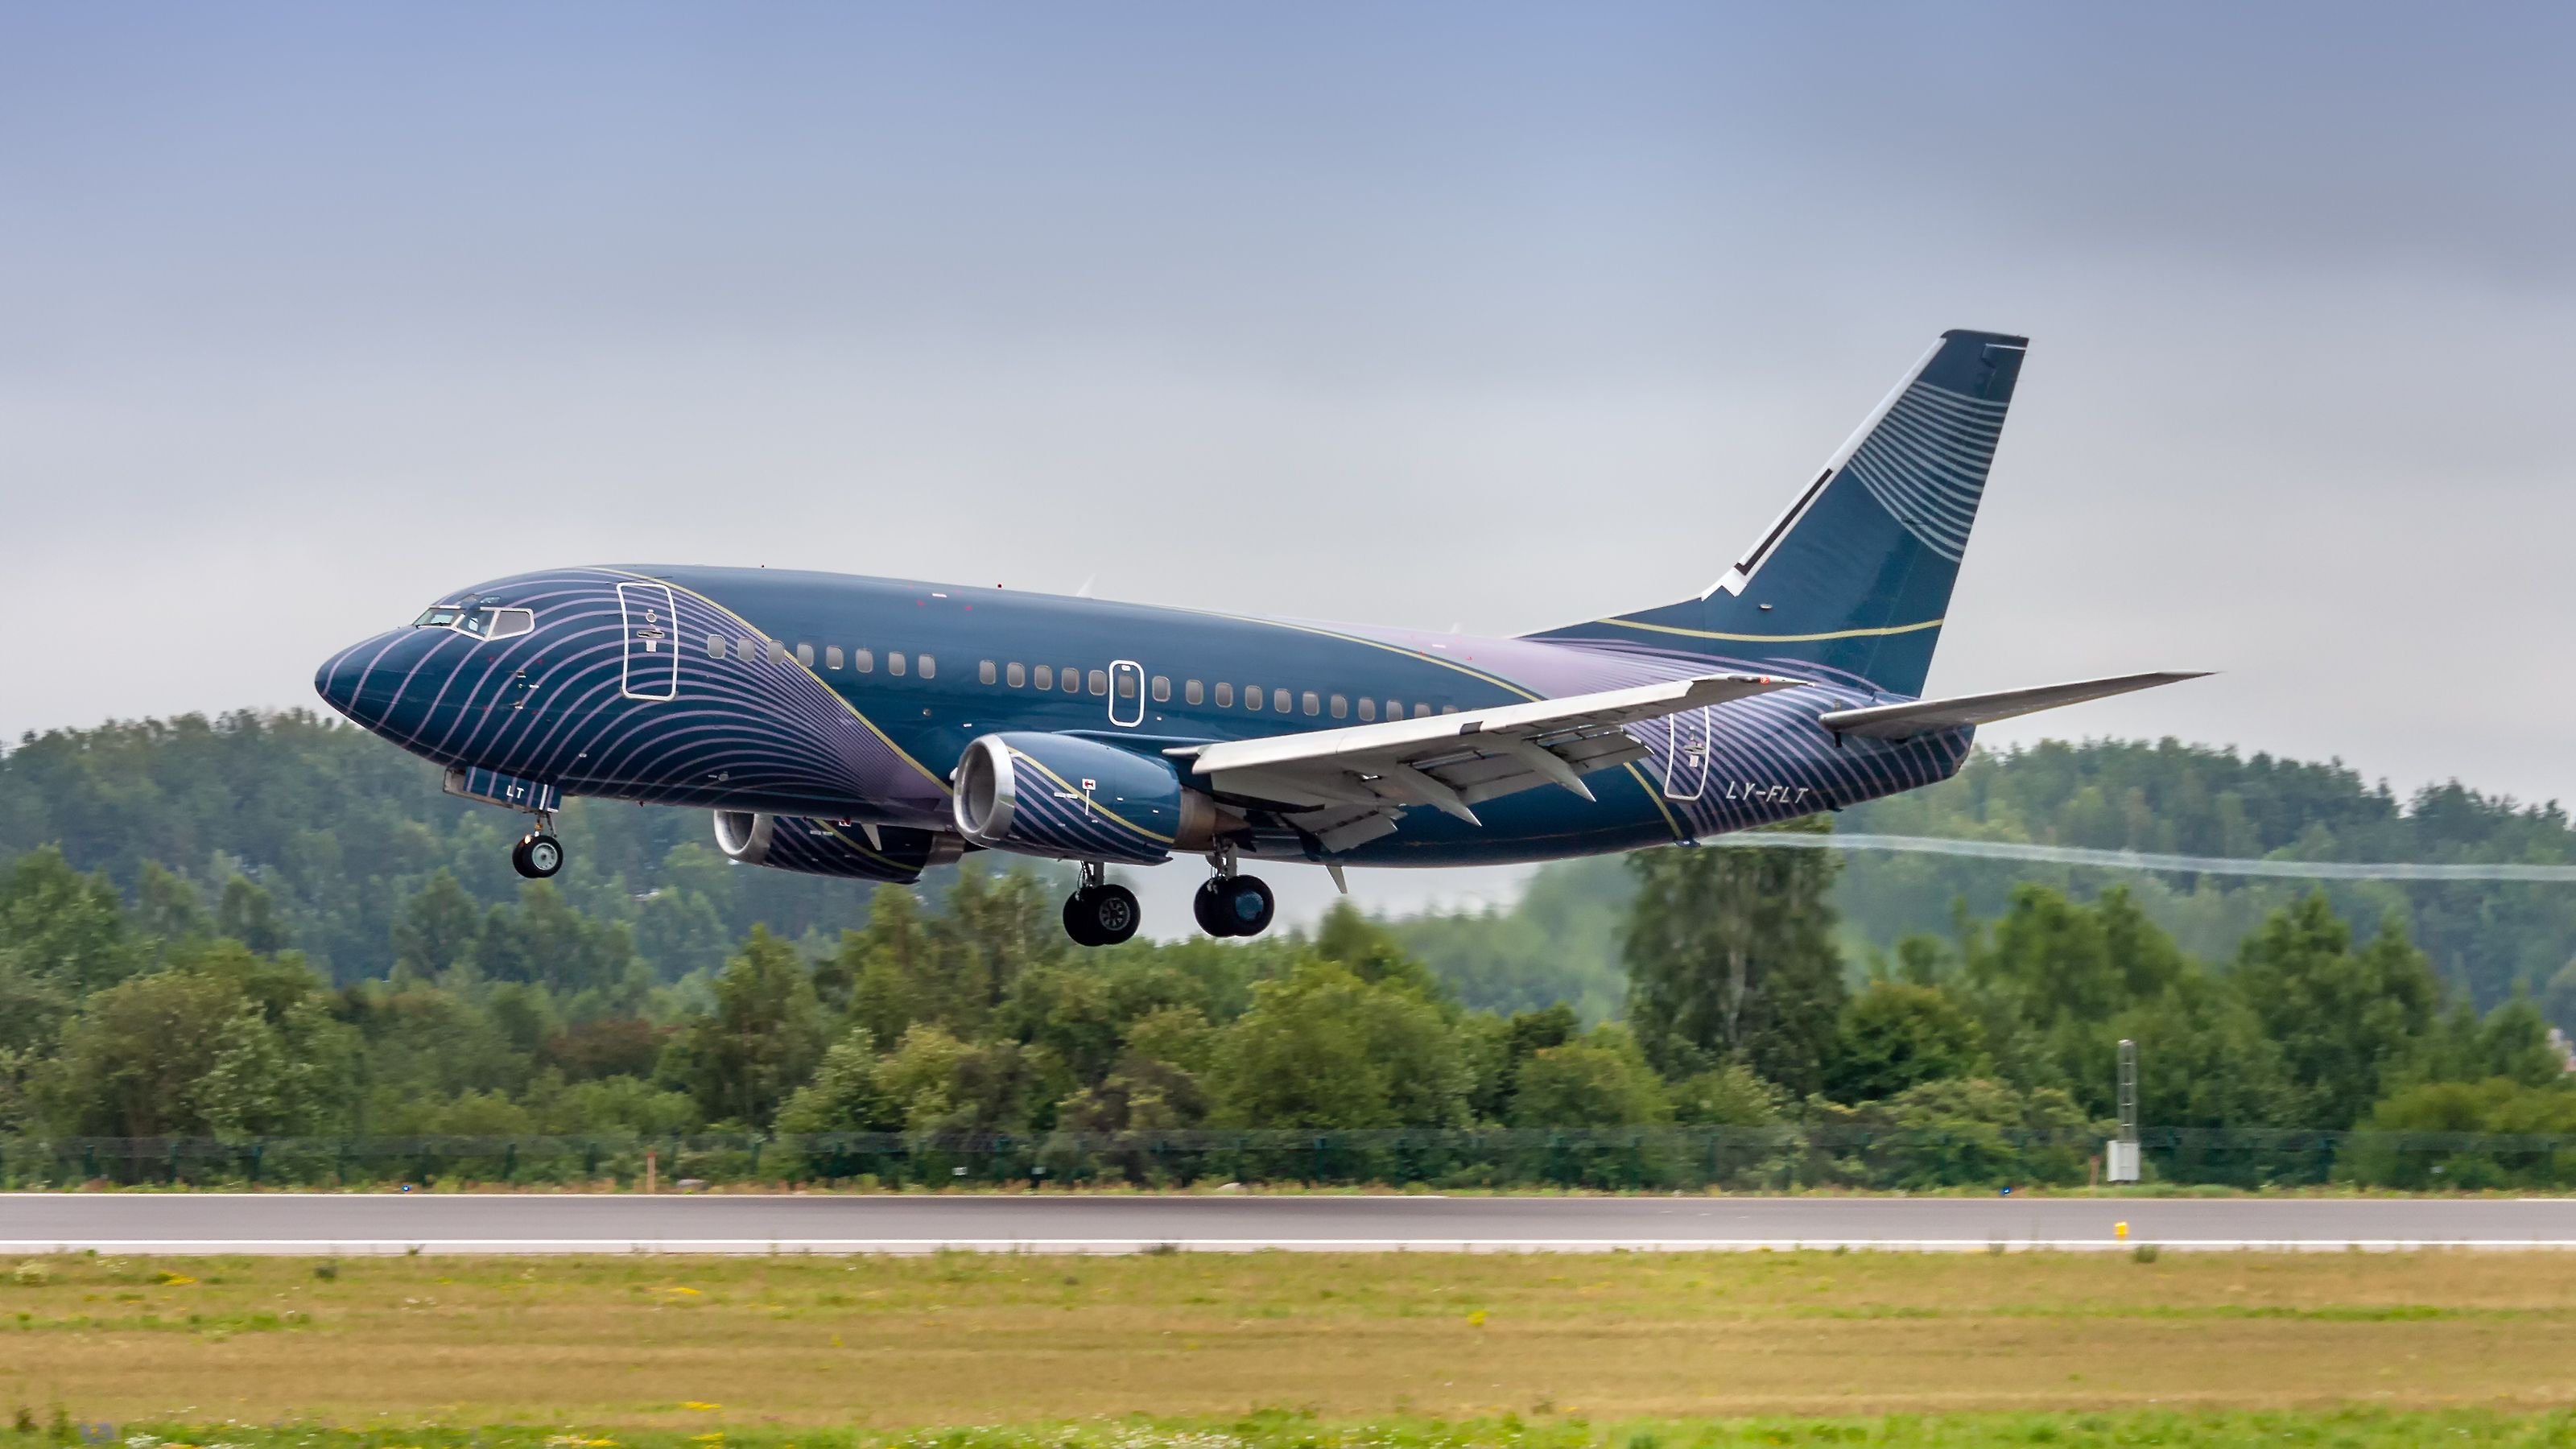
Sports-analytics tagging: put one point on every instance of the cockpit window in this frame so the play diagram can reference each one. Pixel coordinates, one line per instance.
(476, 621)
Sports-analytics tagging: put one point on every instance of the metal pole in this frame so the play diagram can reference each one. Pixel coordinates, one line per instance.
(2124, 1163)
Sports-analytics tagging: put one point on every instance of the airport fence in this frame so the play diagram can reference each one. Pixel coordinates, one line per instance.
(1734, 1159)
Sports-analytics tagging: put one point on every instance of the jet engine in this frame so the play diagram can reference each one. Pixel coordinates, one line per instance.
(812, 846)
(1079, 799)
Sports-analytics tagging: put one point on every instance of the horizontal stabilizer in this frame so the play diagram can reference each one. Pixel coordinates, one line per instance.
(1922, 716)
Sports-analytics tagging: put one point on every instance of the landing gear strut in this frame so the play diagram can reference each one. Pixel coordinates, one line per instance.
(538, 854)
(1231, 904)
(1099, 913)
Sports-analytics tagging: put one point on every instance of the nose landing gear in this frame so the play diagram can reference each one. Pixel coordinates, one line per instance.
(1100, 914)
(538, 855)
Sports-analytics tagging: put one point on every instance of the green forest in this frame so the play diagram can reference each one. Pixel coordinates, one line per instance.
(266, 926)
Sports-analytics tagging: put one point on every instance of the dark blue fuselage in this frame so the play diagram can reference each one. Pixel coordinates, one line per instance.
(852, 699)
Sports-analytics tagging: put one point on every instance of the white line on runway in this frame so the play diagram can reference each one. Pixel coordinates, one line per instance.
(1069, 1246)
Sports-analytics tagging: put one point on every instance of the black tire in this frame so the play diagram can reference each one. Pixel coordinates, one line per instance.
(537, 855)
(1208, 908)
(1115, 914)
(1077, 918)
(1247, 906)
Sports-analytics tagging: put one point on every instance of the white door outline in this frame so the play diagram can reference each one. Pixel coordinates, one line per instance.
(1132, 674)
(1686, 757)
(651, 627)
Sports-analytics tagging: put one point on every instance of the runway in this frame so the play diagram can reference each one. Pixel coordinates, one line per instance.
(321, 1223)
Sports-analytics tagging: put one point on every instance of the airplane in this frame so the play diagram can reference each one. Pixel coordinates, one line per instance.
(870, 728)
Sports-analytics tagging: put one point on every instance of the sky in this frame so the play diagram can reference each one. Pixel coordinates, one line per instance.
(1485, 316)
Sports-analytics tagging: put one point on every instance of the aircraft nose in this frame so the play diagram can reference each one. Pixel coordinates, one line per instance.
(342, 680)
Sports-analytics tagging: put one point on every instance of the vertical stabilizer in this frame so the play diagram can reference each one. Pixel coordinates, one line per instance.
(1854, 578)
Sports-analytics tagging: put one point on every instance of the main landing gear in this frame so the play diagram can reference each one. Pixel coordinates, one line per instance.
(1231, 904)
(1099, 913)
(538, 854)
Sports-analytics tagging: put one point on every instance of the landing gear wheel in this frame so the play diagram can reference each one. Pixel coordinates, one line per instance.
(1077, 919)
(1101, 915)
(1244, 905)
(537, 855)
(1208, 907)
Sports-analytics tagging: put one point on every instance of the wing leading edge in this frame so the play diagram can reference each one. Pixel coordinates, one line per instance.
(1349, 786)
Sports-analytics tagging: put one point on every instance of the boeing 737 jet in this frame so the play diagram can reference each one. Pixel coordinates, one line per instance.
(870, 728)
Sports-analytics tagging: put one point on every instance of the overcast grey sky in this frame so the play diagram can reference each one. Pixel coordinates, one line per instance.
(1472, 315)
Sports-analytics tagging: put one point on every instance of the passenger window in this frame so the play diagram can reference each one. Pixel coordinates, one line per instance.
(1341, 707)
(805, 655)
(1018, 675)
(831, 656)
(1100, 681)
(1252, 696)
(1279, 701)
(929, 667)
(1368, 706)
(986, 672)
(1072, 675)
(777, 651)
(894, 663)
(1046, 676)
(715, 646)
(1422, 711)
(1126, 685)
(864, 660)
(1448, 709)
(1194, 692)
(1395, 709)
(746, 650)
(1313, 705)
(1162, 688)
(1224, 695)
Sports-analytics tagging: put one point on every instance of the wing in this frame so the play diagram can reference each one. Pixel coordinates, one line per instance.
(1349, 786)
(1922, 716)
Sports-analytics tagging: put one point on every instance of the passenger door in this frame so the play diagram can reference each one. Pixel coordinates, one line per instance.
(1126, 693)
(652, 628)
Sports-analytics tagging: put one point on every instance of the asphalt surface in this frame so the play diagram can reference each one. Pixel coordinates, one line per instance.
(439, 1223)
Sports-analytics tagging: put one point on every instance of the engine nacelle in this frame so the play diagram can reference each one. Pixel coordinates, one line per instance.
(811, 846)
(1078, 799)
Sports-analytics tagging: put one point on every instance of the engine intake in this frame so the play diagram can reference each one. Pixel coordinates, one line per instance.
(812, 846)
(1079, 799)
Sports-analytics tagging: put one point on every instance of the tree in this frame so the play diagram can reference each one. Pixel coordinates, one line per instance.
(2346, 1019)
(741, 1060)
(933, 1082)
(2204, 1059)
(1895, 1036)
(247, 913)
(844, 1095)
(62, 936)
(995, 927)
(226, 1043)
(1324, 1049)
(1600, 1081)
(886, 975)
(439, 928)
(1370, 951)
(1730, 955)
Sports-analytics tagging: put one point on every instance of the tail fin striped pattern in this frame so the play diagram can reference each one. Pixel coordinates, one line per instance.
(1853, 579)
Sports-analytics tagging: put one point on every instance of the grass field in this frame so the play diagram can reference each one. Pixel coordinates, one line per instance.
(1324, 1349)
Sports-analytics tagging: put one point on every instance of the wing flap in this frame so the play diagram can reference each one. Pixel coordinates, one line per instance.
(1922, 716)
(1351, 785)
